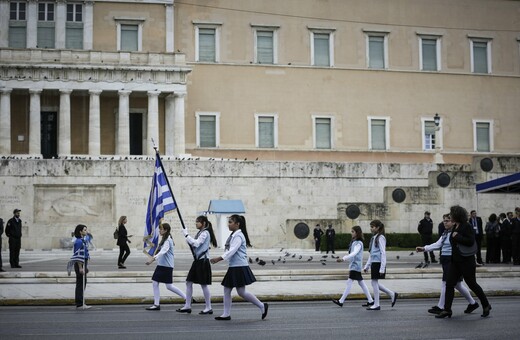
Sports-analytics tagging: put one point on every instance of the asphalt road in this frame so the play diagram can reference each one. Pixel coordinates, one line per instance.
(286, 320)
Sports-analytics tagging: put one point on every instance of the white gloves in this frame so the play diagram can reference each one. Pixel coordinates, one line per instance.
(185, 232)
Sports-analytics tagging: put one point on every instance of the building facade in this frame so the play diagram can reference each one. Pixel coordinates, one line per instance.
(88, 88)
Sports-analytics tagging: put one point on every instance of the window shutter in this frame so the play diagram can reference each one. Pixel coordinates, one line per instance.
(129, 37)
(429, 57)
(207, 131)
(323, 134)
(74, 36)
(17, 36)
(265, 47)
(45, 36)
(266, 132)
(480, 57)
(376, 51)
(321, 49)
(378, 134)
(483, 137)
(207, 44)
(429, 135)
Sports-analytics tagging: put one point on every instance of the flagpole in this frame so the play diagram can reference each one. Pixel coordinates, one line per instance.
(84, 270)
(173, 196)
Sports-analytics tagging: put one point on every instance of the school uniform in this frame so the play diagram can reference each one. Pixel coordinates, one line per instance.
(238, 274)
(377, 264)
(164, 270)
(200, 271)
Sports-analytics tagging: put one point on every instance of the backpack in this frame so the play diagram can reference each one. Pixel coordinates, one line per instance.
(116, 234)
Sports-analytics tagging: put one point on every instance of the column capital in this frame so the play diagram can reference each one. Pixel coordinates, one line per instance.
(124, 92)
(35, 91)
(6, 90)
(95, 92)
(179, 94)
(153, 93)
(65, 91)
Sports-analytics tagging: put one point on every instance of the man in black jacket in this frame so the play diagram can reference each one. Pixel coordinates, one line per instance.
(515, 236)
(13, 230)
(476, 223)
(1, 232)
(425, 228)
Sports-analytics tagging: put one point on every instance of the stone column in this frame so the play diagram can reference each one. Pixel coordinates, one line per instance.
(94, 124)
(152, 127)
(5, 119)
(123, 123)
(178, 126)
(169, 124)
(64, 123)
(32, 23)
(35, 122)
(60, 20)
(170, 46)
(88, 25)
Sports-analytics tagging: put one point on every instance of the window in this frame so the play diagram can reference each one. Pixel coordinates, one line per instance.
(207, 42)
(430, 141)
(129, 34)
(483, 136)
(266, 131)
(17, 11)
(74, 26)
(429, 53)
(266, 42)
(378, 133)
(45, 35)
(208, 126)
(17, 25)
(322, 47)
(377, 56)
(322, 132)
(480, 55)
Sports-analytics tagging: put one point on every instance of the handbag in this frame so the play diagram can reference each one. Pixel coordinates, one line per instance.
(116, 234)
(467, 250)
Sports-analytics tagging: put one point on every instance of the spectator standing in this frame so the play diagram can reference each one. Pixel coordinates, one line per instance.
(492, 238)
(515, 237)
(317, 234)
(425, 229)
(1, 232)
(330, 234)
(122, 242)
(505, 236)
(13, 230)
(476, 223)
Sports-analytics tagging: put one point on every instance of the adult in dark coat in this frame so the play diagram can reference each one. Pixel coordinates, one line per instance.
(317, 234)
(122, 242)
(476, 222)
(425, 229)
(13, 230)
(330, 234)
(1, 232)
(515, 237)
(505, 236)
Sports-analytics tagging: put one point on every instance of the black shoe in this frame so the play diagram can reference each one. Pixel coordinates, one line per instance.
(121, 266)
(1, 270)
(435, 310)
(337, 302)
(394, 300)
(435, 261)
(266, 308)
(154, 307)
(18, 266)
(374, 308)
(486, 310)
(368, 304)
(207, 312)
(444, 314)
(220, 318)
(187, 310)
(471, 308)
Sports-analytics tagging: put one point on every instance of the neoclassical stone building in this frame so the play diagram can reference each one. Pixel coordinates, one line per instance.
(284, 86)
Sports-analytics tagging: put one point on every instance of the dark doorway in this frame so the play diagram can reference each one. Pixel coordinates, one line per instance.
(136, 133)
(49, 134)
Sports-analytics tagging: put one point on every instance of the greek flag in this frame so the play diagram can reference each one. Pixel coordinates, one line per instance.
(161, 201)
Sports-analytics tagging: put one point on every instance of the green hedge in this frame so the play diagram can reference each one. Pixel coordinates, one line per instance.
(401, 240)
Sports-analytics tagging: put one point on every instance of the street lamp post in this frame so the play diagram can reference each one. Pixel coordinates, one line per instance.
(438, 156)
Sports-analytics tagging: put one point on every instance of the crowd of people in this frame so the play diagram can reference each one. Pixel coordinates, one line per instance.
(503, 237)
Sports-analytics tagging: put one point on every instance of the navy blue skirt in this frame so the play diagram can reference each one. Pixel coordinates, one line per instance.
(163, 274)
(354, 275)
(238, 277)
(374, 271)
(200, 272)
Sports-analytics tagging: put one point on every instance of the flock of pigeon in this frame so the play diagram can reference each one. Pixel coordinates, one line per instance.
(283, 259)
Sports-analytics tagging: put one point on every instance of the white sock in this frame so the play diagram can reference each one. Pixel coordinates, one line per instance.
(365, 290)
(442, 298)
(375, 288)
(347, 291)
(207, 297)
(227, 302)
(465, 292)
(250, 297)
(189, 295)
(156, 293)
(387, 291)
(175, 290)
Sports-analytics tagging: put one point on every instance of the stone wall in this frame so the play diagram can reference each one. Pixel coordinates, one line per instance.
(55, 195)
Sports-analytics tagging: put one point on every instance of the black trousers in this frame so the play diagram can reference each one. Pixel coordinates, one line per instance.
(14, 251)
(478, 239)
(80, 289)
(1, 264)
(505, 245)
(427, 239)
(317, 243)
(124, 252)
(330, 246)
(515, 248)
(465, 267)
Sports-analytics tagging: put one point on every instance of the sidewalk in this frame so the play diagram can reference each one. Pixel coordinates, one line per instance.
(297, 281)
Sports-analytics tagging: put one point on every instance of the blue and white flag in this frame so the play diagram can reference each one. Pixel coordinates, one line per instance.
(160, 202)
